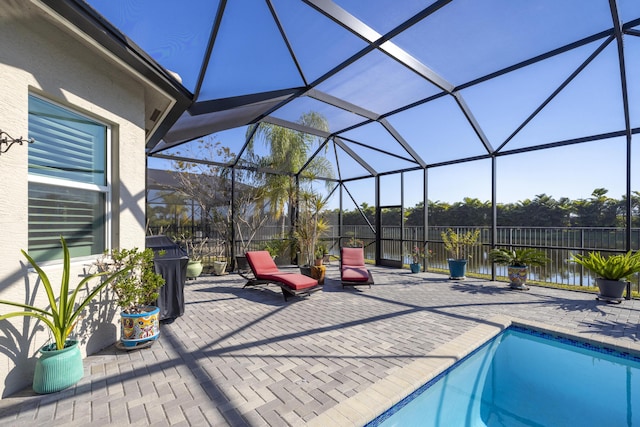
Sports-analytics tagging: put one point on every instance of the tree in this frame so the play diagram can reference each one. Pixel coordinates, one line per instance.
(250, 212)
(415, 215)
(635, 208)
(599, 210)
(167, 213)
(210, 187)
(289, 158)
(207, 186)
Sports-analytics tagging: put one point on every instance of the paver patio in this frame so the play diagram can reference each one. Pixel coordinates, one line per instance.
(244, 357)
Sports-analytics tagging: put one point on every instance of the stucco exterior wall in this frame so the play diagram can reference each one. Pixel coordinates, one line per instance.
(38, 57)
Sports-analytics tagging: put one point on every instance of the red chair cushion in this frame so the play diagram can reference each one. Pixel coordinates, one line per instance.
(353, 257)
(295, 281)
(265, 269)
(354, 274)
(352, 268)
(261, 263)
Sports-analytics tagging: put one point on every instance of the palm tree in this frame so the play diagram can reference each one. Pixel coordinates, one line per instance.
(598, 210)
(288, 154)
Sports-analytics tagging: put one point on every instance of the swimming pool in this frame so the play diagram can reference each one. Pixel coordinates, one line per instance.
(527, 378)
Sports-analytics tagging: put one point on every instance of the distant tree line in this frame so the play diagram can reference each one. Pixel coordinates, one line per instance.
(599, 210)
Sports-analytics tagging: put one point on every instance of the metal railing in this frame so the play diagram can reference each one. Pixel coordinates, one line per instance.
(558, 243)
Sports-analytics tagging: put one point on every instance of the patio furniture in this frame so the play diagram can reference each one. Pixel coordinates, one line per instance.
(353, 271)
(292, 284)
(244, 270)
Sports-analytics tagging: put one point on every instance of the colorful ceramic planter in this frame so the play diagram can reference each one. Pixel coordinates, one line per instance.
(139, 328)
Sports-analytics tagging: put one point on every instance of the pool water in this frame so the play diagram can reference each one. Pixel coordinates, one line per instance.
(527, 378)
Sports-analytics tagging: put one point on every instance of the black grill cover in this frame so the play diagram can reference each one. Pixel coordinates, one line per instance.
(173, 268)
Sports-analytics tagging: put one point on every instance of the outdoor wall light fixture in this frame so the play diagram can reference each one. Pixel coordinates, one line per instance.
(6, 141)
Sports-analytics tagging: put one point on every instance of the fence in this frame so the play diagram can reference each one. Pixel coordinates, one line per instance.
(558, 243)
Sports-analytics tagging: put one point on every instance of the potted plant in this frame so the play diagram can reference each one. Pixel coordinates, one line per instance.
(136, 293)
(310, 227)
(458, 245)
(60, 363)
(326, 259)
(321, 252)
(416, 255)
(354, 243)
(220, 260)
(196, 250)
(278, 249)
(518, 262)
(612, 272)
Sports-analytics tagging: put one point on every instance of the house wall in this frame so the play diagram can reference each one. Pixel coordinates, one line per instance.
(39, 57)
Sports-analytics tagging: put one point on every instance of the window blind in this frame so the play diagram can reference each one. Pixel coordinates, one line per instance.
(69, 152)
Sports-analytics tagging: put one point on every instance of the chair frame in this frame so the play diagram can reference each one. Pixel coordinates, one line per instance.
(245, 271)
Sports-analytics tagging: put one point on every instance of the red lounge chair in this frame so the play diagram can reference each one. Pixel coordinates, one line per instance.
(353, 272)
(266, 271)
(245, 271)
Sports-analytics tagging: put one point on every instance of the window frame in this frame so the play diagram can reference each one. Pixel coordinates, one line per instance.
(105, 190)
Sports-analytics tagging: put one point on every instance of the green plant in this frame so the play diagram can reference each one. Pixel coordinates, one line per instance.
(417, 254)
(523, 257)
(321, 250)
(458, 244)
(277, 247)
(139, 287)
(311, 225)
(613, 267)
(354, 243)
(61, 316)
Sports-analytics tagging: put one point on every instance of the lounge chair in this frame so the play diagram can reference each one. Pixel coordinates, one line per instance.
(266, 271)
(245, 271)
(353, 271)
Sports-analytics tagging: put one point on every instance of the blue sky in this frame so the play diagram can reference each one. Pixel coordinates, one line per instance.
(463, 40)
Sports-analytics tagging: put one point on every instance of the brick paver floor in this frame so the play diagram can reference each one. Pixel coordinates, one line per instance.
(244, 357)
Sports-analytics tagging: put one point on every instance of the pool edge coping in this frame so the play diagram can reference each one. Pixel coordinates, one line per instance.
(365, 406)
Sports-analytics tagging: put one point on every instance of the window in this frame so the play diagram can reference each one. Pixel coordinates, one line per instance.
(68, 182)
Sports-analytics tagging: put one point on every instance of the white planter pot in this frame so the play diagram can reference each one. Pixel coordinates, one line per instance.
(219, 268)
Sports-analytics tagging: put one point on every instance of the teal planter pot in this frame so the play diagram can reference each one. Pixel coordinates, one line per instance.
(415, 267)
(457, 269)
(57, 369)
